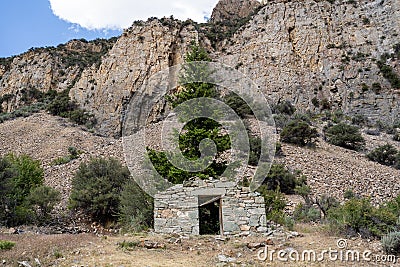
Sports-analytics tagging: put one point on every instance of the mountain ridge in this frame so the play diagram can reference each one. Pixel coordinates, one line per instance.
(313, 53)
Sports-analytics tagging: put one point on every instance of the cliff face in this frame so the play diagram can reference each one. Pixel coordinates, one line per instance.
(314, 53)
(44, 69)
(140, 52)
(305, 50)
(228, 10)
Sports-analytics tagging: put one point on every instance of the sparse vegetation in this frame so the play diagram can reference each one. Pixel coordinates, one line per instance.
(6, 245)
(300, 133)
(73, 154)
(359, 120)
(63, 106)
(255, 150)
(385, 155)
(238, 105)
(325, 104)
(135, 208)
(279, 177)
(359, 216)
(42, 200)
(306, 213)
(96, 188)
(128, 245)
(222, 30)
(391, 243)
(21, 200)
(388, 72)
(345, 135)
(396, 136)
(275, 204)
(284, 107)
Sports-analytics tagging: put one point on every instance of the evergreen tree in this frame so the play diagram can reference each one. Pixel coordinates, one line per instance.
(192, 77)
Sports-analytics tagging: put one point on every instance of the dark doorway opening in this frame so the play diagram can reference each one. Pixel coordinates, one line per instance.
(210, 215)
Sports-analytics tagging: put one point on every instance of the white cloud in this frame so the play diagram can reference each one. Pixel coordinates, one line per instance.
(119, 14)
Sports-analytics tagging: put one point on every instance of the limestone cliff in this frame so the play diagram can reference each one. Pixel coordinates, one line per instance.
(318, 54)
(305, 50)
(141, 51)
(229, 10)
(49, 68)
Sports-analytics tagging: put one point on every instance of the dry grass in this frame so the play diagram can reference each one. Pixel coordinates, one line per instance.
(90, 250)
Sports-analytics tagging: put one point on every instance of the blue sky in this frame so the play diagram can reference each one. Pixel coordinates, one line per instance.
(28, 23)
(38, 23)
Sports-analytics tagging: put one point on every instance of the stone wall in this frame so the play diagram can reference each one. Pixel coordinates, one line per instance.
(176, 210)
(243, 212)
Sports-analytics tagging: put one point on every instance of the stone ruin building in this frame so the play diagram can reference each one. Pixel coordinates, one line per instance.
(209, 207)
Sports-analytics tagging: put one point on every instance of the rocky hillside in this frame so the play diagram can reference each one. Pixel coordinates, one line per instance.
(318, 54)
(44, 69)
(330, 169)
(47, 138)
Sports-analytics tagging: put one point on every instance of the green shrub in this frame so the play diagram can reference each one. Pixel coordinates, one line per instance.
(275, 204)
(306, 213)
(82, 117)
(326, 203)
(345, 135)
(279, 177)
(337, 116)
(255, 150)
(62, 106)
(376, 87)
(284, 107)
(315, 102)
(306, 117)
(299, 132)
(391, 243)
(6, 245)
(136, 208)
(43, 199)
(349, 194)
(238, 105)
(96, 188)
(385, 155)
(394, 206)
(29, 174)
(278, 149)
(73, 154)
(325, 104)
(389, 73)
(19, 176)
(359, 120)
(281, 120)
(359, 216)
(397, 161)
(128, 245)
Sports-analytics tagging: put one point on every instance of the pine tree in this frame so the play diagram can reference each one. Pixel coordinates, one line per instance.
(192, 78)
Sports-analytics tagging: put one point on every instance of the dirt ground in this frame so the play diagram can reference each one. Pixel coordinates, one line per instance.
(91, 250)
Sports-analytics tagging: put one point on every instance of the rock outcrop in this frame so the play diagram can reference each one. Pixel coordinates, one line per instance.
(49, 68)
(305, 50)
(141, 51)
(231, 10)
